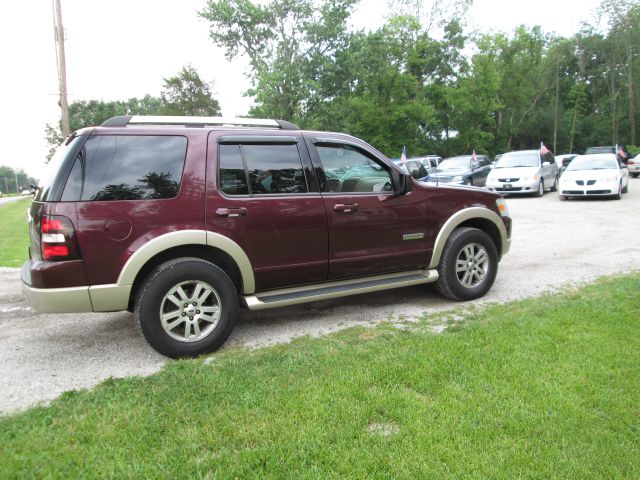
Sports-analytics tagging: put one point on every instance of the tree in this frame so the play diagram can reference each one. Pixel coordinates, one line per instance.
(187, 94)
(291, 45)
(86, 113)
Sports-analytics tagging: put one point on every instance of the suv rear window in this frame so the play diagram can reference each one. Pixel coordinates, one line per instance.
(126, 167)
(269, 169)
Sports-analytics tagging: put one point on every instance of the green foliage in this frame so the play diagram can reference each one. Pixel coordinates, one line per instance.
(292, 46)
(188, 94)
(14, 235)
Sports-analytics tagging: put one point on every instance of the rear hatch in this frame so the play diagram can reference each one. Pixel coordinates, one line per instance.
(50, 190)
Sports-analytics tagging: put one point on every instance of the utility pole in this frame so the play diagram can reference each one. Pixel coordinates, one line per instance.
(62, 67)
(17, 188)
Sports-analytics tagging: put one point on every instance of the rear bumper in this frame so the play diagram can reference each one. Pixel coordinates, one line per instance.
(96, 298)
(54, 300)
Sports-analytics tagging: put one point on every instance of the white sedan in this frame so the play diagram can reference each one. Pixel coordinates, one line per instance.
(595, 175)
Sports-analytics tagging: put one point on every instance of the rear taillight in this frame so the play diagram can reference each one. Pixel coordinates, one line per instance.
(58, 238)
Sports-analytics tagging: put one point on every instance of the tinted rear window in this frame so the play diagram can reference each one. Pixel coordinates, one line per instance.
(270, 169)
(119, 167)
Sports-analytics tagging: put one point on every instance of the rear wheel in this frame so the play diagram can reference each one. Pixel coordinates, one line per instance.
(186, 307)
(468, 265)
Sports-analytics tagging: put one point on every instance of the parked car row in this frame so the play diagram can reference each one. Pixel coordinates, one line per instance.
(601, 171)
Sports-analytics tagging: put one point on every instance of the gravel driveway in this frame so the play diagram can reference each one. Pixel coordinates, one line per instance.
(555, 244)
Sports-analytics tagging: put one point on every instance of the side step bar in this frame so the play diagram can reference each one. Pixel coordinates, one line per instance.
(325, 291)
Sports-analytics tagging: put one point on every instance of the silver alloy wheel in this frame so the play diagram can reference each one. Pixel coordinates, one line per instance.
(540, 188)
(472, 265)
(190, 311)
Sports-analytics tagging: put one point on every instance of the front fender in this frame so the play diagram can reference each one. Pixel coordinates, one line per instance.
(458, 219)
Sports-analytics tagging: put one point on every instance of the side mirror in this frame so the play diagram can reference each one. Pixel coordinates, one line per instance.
(405, 185)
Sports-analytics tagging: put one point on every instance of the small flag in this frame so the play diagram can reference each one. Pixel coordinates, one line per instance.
(543, 150)
(473, 157)
(620, 152)
(403, 157)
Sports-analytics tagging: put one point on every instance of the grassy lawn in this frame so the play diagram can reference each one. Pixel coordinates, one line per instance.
(543, 388)
(14, 233)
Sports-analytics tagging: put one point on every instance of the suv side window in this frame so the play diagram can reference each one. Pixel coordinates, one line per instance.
(270, 169)
(348, 170)
(127, 167)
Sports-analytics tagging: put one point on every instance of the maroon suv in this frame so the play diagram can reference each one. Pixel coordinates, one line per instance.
(183, 219)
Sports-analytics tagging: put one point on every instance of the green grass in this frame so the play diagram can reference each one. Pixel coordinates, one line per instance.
(543, 388)
(14, 233)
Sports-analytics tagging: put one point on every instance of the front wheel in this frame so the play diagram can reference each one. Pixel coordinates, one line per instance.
(186, 307)
(468, 265)
(554, 187)
(540, 190)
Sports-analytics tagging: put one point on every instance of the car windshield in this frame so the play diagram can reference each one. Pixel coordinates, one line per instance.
(518, 159)
(455, 163)
(589, 162)
(593, 150)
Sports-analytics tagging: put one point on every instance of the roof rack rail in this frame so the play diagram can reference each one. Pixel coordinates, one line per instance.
(124, 120)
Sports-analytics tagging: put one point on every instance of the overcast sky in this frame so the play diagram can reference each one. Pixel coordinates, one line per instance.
(119, 49)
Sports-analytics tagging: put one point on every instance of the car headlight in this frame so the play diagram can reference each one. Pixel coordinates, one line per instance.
(457, 178)
(610, 179)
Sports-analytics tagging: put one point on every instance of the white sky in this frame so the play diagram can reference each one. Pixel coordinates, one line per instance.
(119, 49)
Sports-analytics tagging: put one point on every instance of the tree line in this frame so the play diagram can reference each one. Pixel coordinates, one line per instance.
(14, 180)
(426, 80)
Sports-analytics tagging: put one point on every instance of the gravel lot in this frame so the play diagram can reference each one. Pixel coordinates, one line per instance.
(555, 244)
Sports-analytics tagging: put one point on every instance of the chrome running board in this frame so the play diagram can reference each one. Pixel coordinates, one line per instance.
(343, 288)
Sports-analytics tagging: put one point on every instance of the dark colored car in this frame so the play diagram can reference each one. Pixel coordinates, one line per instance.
(463, 170)
(182, 220)
(563, 162)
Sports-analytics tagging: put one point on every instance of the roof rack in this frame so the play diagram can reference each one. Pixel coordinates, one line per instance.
(124, 120)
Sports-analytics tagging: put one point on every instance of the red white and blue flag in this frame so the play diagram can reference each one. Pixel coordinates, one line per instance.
(403, 157)
(473, 156)
(620, 152)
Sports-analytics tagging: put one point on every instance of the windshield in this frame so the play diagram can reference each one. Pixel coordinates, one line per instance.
(519, 159)
(455, 163)
(593, 162)
(594, 150)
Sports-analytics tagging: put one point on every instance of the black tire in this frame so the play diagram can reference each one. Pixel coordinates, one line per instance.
(618, 195)
(563, 197)
(179, 280)
(540, 191)
(635, 175)
(625, 189)
(554, 187)
(450, 284)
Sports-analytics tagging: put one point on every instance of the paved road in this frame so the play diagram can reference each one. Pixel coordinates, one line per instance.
(9, 199)
(555, 244)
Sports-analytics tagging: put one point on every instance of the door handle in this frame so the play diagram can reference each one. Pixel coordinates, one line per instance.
(231, 212)
(346, 208)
